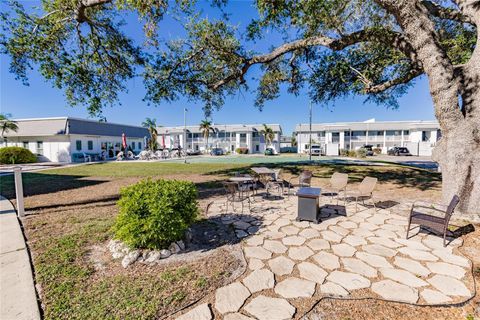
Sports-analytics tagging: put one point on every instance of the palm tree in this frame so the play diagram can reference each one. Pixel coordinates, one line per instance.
(151, 125)
(206, 127)
(267, 134)
(6, 124)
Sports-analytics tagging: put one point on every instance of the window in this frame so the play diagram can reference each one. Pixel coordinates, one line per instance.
(257, 148)
(196, 135)
(40, 147)
(196, 147)
(425, 136)
(133, 145)
(90, 145)
(406, 132)
(140, 146)
(243, 137)
(79, 145)
(255, 134)
(25, 144)
(379, 133)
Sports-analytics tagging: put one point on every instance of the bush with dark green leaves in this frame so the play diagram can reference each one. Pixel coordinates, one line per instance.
(153, 214)
(15, 155)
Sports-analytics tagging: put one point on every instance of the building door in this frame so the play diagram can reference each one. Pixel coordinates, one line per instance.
(335, 137)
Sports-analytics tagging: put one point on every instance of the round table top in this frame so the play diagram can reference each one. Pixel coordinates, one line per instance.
(240, 179)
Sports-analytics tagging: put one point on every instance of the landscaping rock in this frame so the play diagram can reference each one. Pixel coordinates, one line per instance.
(259, 280)
(391, 290)
(151, 257)
(231, 297)
(165, 254)
(202, 312)
(281, 265)
(174, 248)
(295, 288)
(181, 245)
(265, 308)
(130, 258)
(350, 281)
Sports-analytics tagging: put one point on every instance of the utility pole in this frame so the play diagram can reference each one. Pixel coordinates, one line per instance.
(185, 134)
(310, 134)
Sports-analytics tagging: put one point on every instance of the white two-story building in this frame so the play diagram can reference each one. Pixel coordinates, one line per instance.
(420, 137)
(226, 136)
(66, 139)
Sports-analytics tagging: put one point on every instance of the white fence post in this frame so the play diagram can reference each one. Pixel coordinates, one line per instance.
(17, 171)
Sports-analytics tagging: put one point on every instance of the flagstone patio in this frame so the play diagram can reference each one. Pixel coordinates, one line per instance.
(292, 264)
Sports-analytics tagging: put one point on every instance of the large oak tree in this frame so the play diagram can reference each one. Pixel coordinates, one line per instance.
(331, 48)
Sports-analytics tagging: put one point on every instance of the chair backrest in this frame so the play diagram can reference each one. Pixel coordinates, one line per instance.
(305, 178)
(367, 185)
(339, 180)
(276, 174)
(451, 207)
(230, 187)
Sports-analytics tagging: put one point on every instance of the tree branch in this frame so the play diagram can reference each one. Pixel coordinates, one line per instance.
(446, 13)
(395, 39)
(84, 4)
(391, 83)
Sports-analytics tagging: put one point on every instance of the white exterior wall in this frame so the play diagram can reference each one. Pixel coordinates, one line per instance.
(55, 148)
(97, 143)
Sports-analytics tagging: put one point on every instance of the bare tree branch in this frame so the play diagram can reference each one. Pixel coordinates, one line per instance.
(446, 13)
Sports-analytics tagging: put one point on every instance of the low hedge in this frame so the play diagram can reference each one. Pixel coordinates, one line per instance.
(16, 155)
(153, 214)
(241, 150)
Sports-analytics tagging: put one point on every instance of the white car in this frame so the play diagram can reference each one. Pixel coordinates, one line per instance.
(316, 150)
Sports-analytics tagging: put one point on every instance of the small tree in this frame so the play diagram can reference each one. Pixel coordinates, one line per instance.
(151, 125)
(267, 134)
(6, 124)
(206, 127)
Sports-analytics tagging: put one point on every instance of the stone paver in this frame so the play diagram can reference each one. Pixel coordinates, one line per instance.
(309, 233)
(274, 246)
(391, 290)
(350, 281)
(293, 241)
(373, 260)
(446, 269)
(343, 250)
(331, 236)
(295, 288)
(379, 250)
(300, 253)
(386, 242)
(255, 240)
(354, 240)
(451, 258)
(449, 286)
(318, 244)
(231, 297)
(403, 276)
(236, 316)
(418, 254)
(333, 289)
(201, 312)
(327, 260)
(358, 266)
(266, 308)
(348, 224)
(290, 230)
(384, 233)
(413, 243)
(255, 264)
(339, 230)
(412, 266)
(259, 280)
(312, 272)
(281, 265)
(434, 297)
(257, 252)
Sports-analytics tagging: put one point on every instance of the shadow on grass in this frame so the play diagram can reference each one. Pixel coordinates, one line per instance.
(42, 183)
(405, 176)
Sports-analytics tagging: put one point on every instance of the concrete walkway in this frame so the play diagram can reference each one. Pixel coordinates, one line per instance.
(17, 291)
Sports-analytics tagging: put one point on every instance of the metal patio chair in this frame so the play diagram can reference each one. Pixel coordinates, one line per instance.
(338, 182)
(431, 222)
(365, 191)
(235, 193)
(304, 180)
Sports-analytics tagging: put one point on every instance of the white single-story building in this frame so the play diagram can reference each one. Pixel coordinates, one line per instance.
(66, 139)
(226, 136)
(420, 137)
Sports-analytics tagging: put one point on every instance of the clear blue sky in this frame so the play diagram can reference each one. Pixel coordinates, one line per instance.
(41, 100)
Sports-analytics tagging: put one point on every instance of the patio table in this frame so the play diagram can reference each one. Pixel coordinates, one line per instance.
(308, 203)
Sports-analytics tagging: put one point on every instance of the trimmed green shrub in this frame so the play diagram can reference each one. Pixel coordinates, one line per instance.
(15, 155)
(347, 153)
(153, 214)
(241, 150)
(362, 153)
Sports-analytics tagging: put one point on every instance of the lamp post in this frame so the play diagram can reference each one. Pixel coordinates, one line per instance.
(310, 134)
(185, 134)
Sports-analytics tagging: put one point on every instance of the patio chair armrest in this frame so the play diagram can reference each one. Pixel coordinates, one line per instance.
(429, 205)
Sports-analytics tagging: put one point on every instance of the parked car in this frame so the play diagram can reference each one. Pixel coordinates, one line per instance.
(399, 151)
(369, 149)
(191, 152)
(217, 152)
(316, 150)
(270, 152)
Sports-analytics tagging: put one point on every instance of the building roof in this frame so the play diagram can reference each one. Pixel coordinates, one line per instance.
(369, 125)
(220, 128)
(68, 125)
